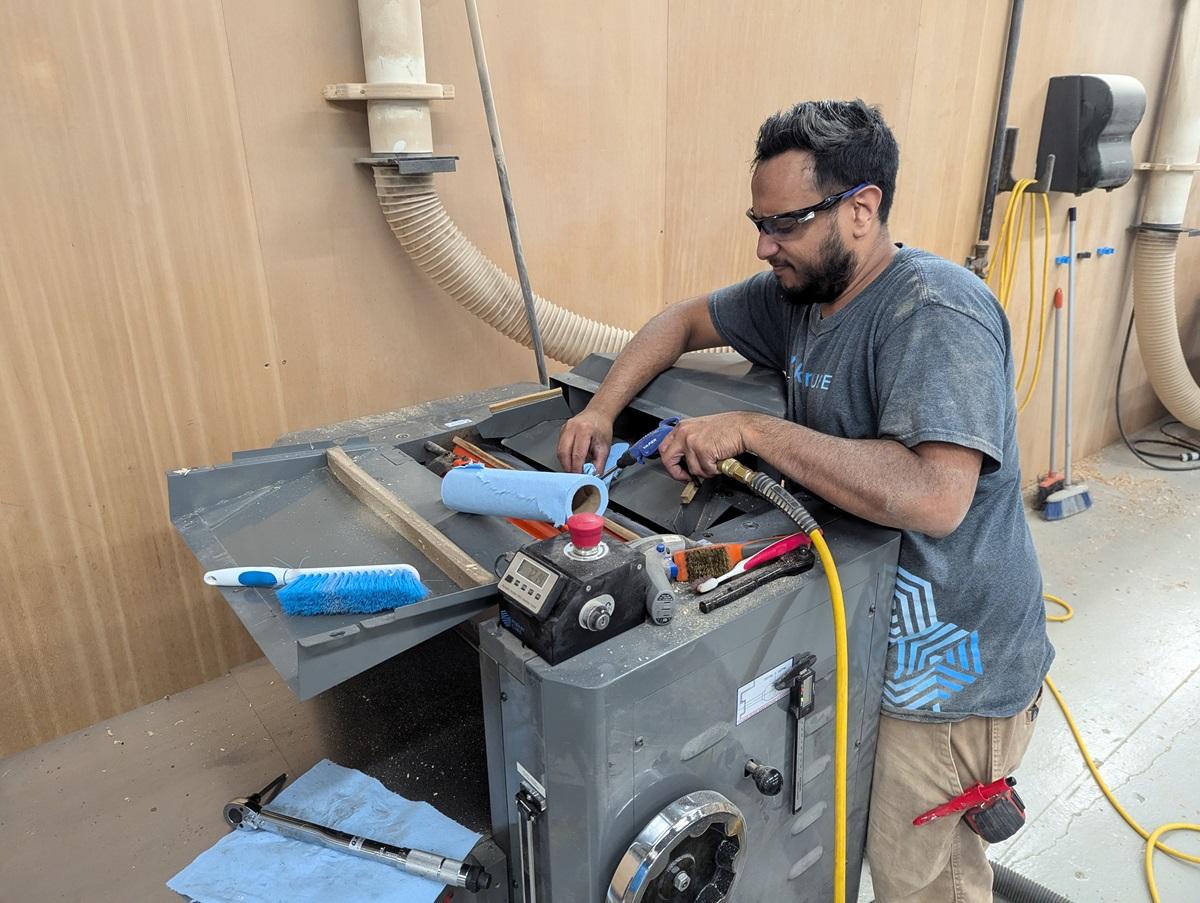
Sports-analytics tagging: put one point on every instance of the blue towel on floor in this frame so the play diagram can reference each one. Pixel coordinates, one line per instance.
(262, 867)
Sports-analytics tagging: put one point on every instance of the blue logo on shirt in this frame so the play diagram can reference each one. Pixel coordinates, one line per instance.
(807, 378)
(934, 659)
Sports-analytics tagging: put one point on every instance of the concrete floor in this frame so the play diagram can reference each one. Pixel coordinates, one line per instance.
(111, 812)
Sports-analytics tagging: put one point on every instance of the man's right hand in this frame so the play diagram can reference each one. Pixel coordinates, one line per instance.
(585, 436)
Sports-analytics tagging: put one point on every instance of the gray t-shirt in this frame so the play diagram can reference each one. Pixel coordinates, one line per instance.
(923, 354)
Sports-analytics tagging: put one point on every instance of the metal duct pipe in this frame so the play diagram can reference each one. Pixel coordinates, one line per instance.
(1166, 202)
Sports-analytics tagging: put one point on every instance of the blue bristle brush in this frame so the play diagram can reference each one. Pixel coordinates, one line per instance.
(361, 589)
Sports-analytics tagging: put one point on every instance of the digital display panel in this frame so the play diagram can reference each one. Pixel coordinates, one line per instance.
(532, 573)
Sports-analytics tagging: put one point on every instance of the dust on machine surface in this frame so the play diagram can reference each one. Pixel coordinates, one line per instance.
(611, 739)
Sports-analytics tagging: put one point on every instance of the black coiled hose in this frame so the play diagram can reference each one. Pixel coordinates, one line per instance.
(1012, 887)
(1016, 888)
(770, 490)
(783, 500)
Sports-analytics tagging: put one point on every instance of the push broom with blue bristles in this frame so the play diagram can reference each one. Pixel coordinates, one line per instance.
(1073, 498)
(358, 589)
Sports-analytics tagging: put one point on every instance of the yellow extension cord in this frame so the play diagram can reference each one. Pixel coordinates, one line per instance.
(1001, 274)
(1151, 838)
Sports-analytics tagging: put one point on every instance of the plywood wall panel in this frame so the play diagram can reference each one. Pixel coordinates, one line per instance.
(946, 140)
(135, 341)
(732, 65)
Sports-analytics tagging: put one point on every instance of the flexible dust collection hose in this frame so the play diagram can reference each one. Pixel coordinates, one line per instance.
(763, 485)
(1165, 205)
(419, 220)
(1158, 328)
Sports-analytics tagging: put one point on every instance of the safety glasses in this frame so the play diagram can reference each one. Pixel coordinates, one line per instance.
(784, 224)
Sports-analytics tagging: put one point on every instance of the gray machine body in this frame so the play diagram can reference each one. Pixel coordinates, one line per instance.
(605, 740)
(618, 732)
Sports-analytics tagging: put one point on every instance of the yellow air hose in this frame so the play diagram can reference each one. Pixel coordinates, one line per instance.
(1152, 838)
(778, 496)
(841, 712)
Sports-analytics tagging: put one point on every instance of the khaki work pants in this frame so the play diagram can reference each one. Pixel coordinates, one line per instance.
(921, 765)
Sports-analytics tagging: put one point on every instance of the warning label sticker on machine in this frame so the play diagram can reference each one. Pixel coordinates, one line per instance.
(760, 692)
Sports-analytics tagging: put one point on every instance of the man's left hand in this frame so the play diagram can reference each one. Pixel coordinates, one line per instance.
(695, 446)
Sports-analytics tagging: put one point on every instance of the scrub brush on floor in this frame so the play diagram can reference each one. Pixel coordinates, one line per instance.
(362, 589)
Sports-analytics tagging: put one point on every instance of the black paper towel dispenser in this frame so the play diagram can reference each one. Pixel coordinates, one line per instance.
(1088, 125)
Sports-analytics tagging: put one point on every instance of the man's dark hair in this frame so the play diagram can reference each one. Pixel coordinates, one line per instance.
(849, 141)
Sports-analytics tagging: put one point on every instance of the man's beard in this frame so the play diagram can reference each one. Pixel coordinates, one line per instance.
(823, 282)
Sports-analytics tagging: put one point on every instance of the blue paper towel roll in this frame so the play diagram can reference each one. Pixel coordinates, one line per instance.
(528, 494)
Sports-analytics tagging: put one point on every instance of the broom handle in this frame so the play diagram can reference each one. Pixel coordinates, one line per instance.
(1070, 343)
(1054, 384)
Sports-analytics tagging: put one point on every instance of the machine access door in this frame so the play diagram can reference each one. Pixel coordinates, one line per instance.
(725, 727)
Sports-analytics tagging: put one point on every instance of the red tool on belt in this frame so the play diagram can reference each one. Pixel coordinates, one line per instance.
(993, 811)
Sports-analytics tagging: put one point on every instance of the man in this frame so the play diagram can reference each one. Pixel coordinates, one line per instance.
(901, 410)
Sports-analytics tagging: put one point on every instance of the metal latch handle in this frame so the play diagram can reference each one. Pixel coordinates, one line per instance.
(530, 808)
(801, 680)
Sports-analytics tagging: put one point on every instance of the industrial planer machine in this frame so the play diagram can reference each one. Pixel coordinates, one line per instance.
(616, 758)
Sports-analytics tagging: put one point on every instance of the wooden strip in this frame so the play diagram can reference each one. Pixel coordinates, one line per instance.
(434, 545)
(689, 492)
(492, 461)
(388, 91)
(620, 532)
(510, 403)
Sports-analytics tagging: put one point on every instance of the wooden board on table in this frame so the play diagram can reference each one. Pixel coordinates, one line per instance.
(434, 545)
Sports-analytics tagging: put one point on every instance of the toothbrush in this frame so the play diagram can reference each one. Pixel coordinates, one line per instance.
(770, 553)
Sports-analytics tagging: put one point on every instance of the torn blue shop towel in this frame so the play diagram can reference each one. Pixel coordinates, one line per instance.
(261, 867)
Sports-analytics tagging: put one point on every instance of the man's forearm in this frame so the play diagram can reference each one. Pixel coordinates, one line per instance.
(877, 479)
(656, 347)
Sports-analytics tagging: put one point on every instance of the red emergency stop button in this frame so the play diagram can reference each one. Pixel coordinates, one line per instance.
(585, 530)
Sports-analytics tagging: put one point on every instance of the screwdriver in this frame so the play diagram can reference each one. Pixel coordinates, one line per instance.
(644, 448)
